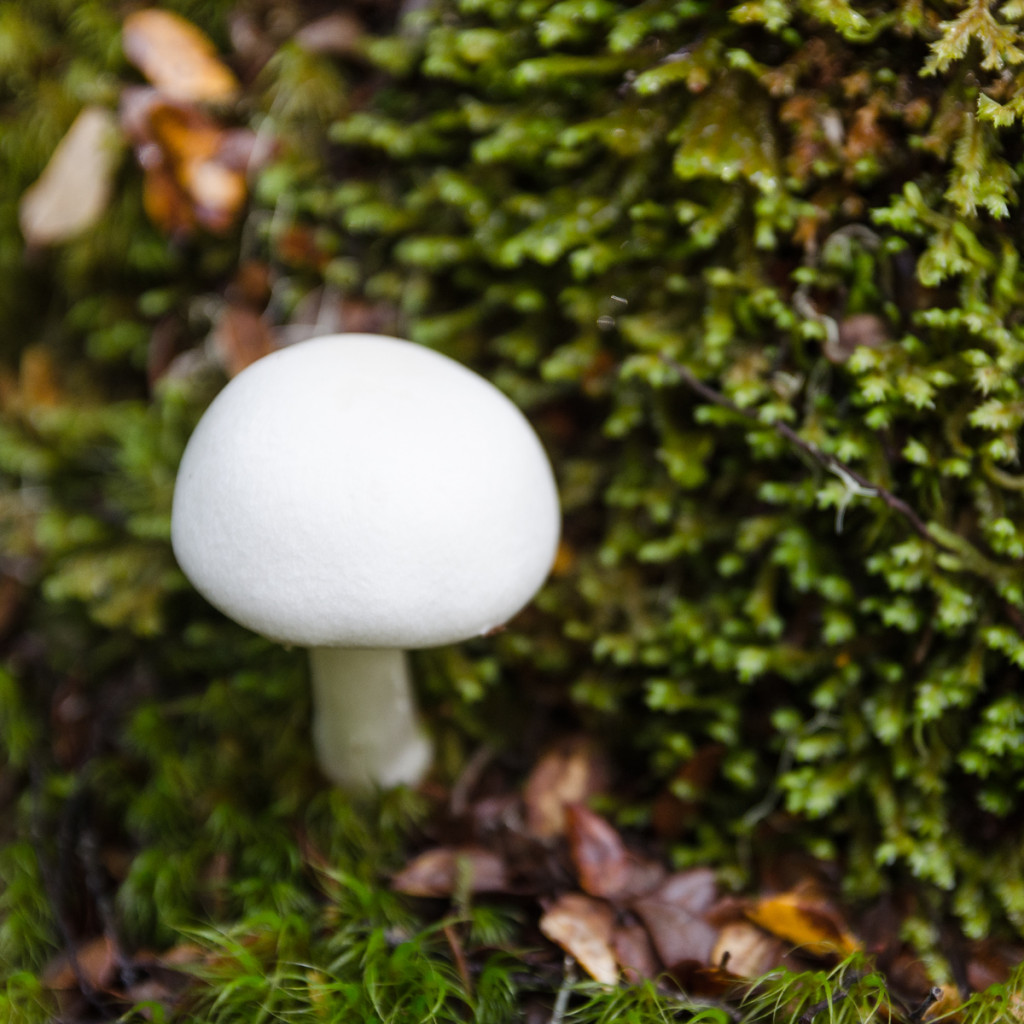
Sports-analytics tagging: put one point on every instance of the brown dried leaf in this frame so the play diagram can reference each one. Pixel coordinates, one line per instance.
(166, 204)
(96, 962)
(991, 965)
(603, 865)
(445, 870)
(674, 916)
(74, 190)
(701, 982)
(240, 338)
(635, 953)
(177, 57)
(583, 927)
(804, 917)
(195, 170)
(569, 773)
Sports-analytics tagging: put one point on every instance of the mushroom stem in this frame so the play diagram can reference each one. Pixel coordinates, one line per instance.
(366, 732)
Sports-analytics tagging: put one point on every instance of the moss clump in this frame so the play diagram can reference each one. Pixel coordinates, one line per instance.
(753, 268)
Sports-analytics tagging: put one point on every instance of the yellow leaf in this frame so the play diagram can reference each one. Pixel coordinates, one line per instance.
(804, 918)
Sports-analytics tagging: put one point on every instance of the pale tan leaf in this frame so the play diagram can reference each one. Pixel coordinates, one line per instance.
(177, 57)
(74, 190)
(746, 950)
(443, 871)
(584, 927)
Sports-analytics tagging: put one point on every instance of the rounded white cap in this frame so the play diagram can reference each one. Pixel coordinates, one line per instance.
(360, 491)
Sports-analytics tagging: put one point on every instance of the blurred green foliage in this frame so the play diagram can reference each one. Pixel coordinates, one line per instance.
(753, 271)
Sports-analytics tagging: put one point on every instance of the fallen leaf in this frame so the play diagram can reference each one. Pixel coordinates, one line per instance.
(804, 917)
(635, 953)
(193, 147)
(240, 337)
(165, 203)
(94, 962)
(74, 190)
(674, 916)
(603, 865)
(569, 773)
(195, 169)
(746, 950)
(700, 981)
(444, 871)
(583, 927)
(991, 965)
(177, 57)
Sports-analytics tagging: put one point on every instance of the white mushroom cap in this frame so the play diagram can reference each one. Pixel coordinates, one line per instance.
(361, 491)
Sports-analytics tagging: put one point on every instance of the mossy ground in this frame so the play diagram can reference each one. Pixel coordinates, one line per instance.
(752, 269)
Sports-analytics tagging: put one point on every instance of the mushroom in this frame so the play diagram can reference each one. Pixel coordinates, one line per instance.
(361, 495)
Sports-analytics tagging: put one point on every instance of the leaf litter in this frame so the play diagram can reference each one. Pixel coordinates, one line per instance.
(624, 916)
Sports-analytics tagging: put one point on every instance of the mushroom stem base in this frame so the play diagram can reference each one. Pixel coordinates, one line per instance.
(366, 731)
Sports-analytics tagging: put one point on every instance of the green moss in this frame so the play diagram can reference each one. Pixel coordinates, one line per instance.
(584, 205)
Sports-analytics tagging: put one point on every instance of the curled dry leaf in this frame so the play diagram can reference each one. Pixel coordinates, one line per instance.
(240, 337)
(804, 917)
(603, 865)
(570, 773)
(74, 190)
(446, 870)
(674, 917)
(176, 57)
(195, 169)
(584, 928)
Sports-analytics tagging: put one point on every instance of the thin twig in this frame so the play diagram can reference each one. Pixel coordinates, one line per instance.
(829, 462)
(929, 1001)
(564, 990)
